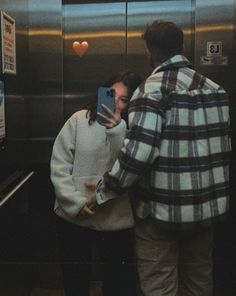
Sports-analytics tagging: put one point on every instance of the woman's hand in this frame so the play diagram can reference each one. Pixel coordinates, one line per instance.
(91, 206)
(112, 119)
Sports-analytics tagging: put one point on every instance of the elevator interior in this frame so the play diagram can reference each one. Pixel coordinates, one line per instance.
(52, 82)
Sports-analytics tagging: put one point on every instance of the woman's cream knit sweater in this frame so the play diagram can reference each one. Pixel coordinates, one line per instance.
(83, 152)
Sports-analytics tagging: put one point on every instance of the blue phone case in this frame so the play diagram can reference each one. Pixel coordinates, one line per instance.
(106, 96)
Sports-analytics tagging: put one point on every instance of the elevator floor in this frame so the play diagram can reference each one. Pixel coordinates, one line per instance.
(35, 280)
(45, 279)
(95, 291)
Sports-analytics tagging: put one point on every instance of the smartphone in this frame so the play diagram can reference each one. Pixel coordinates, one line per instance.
(106, 96)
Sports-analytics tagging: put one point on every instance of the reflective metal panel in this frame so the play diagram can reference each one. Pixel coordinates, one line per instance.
(214, 39)
(15, 85)
(215, 51)
(45, 79)
(16, 111)
(103, 26)
(140, 14)
(45, 66)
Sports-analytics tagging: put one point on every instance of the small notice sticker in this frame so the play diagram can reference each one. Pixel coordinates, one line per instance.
(214, 48)
(214, 60)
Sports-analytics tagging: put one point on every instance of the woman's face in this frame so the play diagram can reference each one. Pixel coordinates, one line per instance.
(121, 96)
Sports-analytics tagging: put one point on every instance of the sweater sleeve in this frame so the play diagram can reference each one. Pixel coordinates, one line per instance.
(70, 200)
(116, 136)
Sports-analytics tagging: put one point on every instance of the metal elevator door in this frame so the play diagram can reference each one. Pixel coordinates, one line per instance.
(113, 32)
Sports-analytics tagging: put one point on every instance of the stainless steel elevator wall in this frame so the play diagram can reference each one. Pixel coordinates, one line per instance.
(16, 112)
(113, 31)
(103, 26)
(45, 80)
(217, 26)
(139, 14)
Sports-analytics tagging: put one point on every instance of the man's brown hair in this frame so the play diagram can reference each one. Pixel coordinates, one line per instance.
(164, 37)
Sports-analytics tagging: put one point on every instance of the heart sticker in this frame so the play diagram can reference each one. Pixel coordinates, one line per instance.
(80, 48)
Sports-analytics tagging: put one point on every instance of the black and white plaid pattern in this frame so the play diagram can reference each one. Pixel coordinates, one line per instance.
(177, 151)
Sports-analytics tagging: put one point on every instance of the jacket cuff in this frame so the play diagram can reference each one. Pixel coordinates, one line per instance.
(103, 195)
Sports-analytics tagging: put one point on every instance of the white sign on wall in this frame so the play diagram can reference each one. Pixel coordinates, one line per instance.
(214, 55)
(8, 44)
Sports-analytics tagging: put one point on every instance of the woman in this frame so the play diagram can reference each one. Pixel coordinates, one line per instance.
(82, 152)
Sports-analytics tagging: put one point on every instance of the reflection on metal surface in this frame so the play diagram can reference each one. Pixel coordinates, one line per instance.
(5, 198)
(218, 26)
(186, 31)
(107, 34)
(139, 14)
(215, 28)
(110, 34)
(114, 34)
(44, 32)
(45, 67)
(103, 26)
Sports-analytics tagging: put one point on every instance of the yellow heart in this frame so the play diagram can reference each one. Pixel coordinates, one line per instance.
(80, 48)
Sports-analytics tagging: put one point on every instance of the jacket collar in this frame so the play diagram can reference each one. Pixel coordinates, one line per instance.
(177, 61)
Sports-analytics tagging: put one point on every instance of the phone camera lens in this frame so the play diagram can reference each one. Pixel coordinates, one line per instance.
(111, 92)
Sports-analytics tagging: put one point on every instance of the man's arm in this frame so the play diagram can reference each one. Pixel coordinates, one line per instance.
(141, 148)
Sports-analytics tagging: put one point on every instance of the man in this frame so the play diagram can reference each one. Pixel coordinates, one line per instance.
(175, 162)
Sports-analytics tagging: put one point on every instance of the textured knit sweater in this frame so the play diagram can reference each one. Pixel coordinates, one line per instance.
(177, 151)
(84, 152)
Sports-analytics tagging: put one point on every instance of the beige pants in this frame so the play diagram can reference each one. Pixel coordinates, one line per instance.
(169, 266)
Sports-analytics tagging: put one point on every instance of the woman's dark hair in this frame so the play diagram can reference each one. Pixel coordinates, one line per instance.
(164, 37)
(130, 79)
